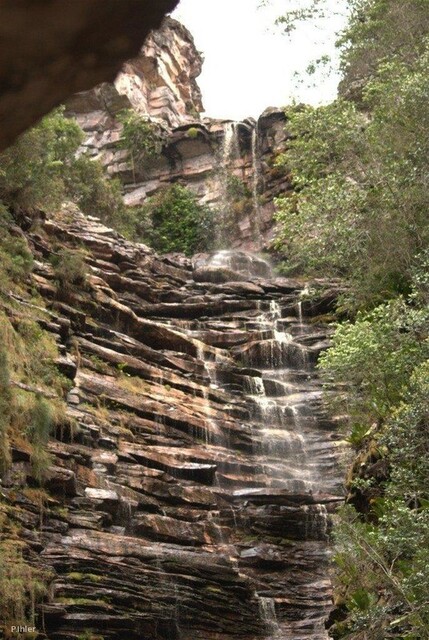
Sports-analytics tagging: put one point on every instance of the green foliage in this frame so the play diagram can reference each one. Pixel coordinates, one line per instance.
(32, 170)
(141, 137)
(373, 358)
(27, 355)
(380, 31)
(319, 220)
(70, 269)
(38, 432)
(177, 221)
(192, 133)
(97, 195)
(359, 167)
(383, 571)
(43, 169)
(406, 438)
(236, 189)
(16, 261)
(22, 585)
(307, 10)
(5, 410)
(360, 197)
(89, 635)
(81, 577)
(380, 367)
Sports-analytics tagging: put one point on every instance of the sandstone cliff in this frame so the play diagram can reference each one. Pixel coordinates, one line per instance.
(202, 154)
(160, 82)
(191, 498)
(191, 482)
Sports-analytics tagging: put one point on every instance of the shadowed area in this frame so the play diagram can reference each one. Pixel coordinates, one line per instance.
(51, 49)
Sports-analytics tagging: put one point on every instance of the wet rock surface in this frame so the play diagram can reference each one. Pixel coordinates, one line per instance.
(192, 498)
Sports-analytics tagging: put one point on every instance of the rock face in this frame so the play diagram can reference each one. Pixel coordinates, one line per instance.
(76, 45)
(229, 165)
(191, 499)
(160, 82)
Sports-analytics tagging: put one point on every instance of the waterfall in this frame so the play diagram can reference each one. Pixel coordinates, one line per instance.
(255, 184)
(303, 293)
(230, 143)
(267, 611)
(229, 152)
(201, 492)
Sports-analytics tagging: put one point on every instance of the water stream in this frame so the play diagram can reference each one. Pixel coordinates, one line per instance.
(282, 397)
(255, 184)
(229, 152)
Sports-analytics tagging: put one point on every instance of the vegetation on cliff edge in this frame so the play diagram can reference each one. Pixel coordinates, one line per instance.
(359, 211)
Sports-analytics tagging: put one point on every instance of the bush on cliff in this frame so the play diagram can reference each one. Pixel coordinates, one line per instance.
(173, 220)
(97, 195)
(70, 270)
(32, 170)
(22, 584)
(16, 261)
(141, 137)
(43, 169)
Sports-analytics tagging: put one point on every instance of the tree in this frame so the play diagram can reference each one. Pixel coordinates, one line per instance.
(32, 170)
(361, 185)
(359, 211)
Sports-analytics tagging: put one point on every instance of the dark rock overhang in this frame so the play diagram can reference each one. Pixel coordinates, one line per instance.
(51, 49)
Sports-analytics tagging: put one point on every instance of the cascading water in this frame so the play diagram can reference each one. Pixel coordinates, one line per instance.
(274, 478)
(230, 143)
(276, 495)
(229, 152)
(255, 184)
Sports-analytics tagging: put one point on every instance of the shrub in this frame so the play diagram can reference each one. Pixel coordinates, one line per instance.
(94, 193)
(141, 137)
(192, 133)
(21, 585)
(70, 269)
(16, 261)
(38, 432)
(358, 208)
(27, 355)
(178, 222)
(42, 170)
(32, 170)
(373, 358)
(5, 411)
(236, 189)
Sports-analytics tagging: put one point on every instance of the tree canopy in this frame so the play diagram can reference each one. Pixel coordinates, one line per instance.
(358, 210)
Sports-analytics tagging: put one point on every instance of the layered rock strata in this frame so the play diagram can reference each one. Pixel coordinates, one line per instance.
(160, 82)
(202, 154)
(191, 499)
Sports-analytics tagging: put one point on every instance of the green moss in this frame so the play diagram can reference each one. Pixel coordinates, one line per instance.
(213, 589)
(192, 133)
(89, 635)
(83, 602)
(21, 584)
(82, 577)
